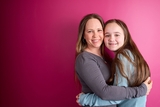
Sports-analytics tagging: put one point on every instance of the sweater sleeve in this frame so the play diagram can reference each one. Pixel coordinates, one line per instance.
(94, 100)
(88, 70)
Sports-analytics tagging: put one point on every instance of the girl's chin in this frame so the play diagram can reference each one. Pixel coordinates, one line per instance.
(114, 50)
(111, 49)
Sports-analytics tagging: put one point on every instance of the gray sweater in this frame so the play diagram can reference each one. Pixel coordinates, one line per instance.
(93, 72)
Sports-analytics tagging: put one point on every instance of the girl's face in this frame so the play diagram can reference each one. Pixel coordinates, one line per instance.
(93, 33)
(113, 36)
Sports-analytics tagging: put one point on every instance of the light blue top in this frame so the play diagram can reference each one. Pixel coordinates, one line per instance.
(129, 69)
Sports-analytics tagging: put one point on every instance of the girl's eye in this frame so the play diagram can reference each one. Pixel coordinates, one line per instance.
(116, 35)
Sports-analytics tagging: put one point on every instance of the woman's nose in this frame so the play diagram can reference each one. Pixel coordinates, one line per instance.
(95, 34)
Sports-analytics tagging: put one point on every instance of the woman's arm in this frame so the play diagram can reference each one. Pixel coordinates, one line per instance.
(88, 70)
(94, 100)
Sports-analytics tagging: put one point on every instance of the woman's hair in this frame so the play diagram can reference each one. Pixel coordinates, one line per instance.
(81, 43)
(141, 66)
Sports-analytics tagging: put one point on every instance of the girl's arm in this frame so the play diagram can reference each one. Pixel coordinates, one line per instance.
(94, 100)
(90, 74)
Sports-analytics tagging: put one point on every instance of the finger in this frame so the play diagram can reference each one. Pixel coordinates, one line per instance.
(77, 96)
(77, 101)
(151, 82)
(148, 79)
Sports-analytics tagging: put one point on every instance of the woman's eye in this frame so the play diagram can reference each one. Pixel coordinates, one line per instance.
(89, 31)
(99, 30)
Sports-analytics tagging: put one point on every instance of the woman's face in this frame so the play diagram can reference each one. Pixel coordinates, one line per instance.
(93, 33)
(113, 36)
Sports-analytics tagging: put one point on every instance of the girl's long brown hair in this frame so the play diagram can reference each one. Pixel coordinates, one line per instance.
(141, 67)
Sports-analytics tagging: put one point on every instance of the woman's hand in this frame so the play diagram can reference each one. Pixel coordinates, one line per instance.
(77, 98)
(148, 83)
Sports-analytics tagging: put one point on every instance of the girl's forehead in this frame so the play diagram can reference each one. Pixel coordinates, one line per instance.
(113, 27)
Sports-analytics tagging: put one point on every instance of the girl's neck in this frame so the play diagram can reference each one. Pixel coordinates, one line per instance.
(94, 51)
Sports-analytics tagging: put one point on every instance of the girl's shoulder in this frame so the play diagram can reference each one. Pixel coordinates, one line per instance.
(124, 53)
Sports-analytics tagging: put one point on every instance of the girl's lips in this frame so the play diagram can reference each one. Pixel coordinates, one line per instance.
(112, 43)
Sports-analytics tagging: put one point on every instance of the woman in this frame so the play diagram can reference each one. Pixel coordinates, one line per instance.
(129, 66)
(91, 68)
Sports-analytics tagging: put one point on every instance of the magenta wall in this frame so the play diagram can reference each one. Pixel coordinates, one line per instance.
(37, 47)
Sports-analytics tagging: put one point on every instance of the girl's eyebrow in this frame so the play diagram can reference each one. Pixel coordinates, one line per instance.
(114, 32)
(117, 32)
(105, 32)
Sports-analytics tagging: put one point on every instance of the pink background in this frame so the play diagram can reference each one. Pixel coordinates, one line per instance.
(37, 47)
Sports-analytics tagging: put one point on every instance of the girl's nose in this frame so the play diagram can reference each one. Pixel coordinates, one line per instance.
(111, 38)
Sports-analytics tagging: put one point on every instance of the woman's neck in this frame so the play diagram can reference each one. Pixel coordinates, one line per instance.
(96, 51)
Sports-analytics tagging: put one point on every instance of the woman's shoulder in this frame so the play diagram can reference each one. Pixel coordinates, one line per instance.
(87, 55)
(83, 56)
